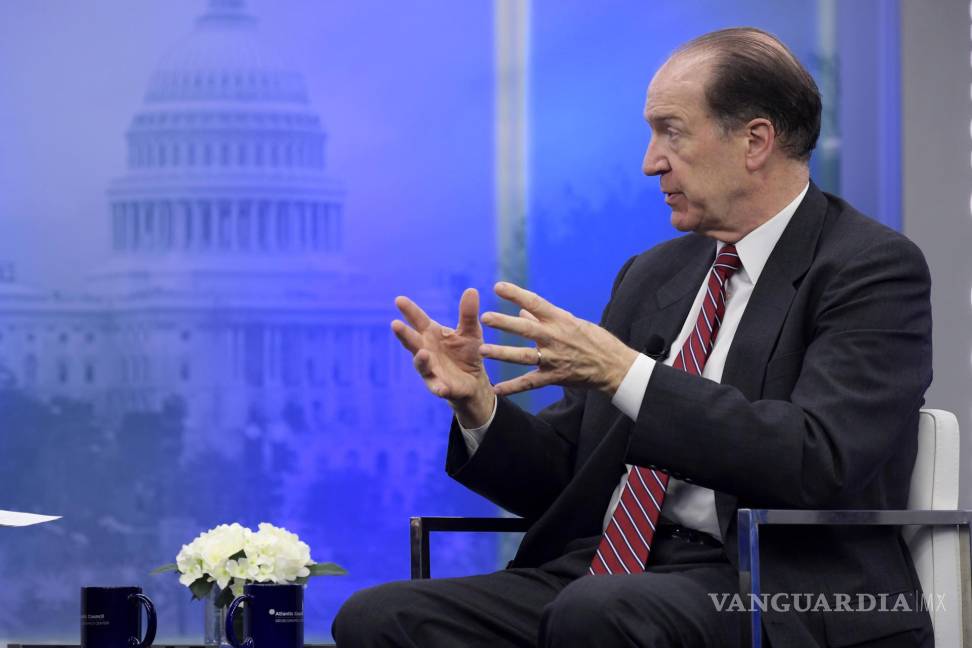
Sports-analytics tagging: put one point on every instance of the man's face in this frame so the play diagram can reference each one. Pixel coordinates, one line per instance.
(701, 169)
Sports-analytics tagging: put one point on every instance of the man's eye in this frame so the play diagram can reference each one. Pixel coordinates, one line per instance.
(672, 133)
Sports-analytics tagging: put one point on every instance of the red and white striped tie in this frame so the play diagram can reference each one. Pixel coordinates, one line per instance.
(627, 539)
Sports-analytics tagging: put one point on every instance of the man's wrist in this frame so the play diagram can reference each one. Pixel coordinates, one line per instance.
(631, 393)
(619, 369)
(476, 411)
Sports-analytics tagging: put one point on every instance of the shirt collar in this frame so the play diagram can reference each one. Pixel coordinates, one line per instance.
(755, 248)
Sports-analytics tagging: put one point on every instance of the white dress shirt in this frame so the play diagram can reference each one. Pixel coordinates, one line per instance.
(688, 504)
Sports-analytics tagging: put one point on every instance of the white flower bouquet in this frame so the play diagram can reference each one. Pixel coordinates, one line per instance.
(232, 555)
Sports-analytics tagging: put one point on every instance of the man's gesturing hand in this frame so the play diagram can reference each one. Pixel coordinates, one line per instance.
(448, 359)
(572, 352)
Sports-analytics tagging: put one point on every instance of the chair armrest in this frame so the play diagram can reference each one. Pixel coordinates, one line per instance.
(879, 517)
(421, 527)
(749, 521)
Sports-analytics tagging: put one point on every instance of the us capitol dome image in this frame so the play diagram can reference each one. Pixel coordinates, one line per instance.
(227, 292)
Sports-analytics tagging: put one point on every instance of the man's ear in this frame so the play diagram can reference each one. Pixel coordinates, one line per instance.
(760, 142)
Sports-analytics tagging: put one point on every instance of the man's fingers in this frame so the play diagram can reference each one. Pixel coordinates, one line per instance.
(528, 315)
(519, 355)
(523, 383)
(415, 315)
(469, 312)
(423, 364)
(409, 338)
(525, 299)
(440, 390)
(517, 325)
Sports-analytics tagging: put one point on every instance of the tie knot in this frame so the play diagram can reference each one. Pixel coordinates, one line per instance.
(727, 261)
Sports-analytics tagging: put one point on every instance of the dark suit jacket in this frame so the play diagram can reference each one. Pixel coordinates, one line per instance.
(818, 408)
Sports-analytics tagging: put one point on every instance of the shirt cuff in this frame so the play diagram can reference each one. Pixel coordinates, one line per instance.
(474, 436)
(631, 392)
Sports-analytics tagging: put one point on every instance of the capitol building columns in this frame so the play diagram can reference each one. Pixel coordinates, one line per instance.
(221, 225)
(227, 224)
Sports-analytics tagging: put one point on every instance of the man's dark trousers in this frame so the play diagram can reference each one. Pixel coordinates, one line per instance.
(556, 604)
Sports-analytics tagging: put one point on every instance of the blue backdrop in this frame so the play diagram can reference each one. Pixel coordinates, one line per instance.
(206, 209)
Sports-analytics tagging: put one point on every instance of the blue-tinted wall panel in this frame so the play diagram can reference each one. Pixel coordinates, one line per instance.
(206, 209)
(870, 107)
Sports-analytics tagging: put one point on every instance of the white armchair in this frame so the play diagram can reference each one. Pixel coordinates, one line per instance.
(937, 533)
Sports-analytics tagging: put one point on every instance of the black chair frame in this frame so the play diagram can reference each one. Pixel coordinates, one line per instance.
(750, 520)
(749, 523)
(421, 527)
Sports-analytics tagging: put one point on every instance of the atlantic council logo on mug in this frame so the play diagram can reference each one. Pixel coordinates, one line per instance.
(281, 616)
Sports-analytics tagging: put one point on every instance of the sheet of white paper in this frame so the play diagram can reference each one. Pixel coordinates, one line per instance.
(16, 519)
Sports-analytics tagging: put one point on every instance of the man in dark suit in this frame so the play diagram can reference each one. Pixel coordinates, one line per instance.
(776, 356)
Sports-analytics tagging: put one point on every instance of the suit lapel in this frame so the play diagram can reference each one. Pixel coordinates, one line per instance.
(665, 315)
(766, 311)
(761, 323)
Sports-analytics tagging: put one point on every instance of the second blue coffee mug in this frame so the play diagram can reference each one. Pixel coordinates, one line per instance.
(273, 616)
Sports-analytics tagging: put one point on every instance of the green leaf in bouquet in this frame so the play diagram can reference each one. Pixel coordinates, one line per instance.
(200, 588)
(225, 597)
(163, 569)
(326, 569)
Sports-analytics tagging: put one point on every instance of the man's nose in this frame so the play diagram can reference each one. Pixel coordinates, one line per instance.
(653, 163)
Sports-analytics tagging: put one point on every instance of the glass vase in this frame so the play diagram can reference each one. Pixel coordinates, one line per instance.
(214, 618)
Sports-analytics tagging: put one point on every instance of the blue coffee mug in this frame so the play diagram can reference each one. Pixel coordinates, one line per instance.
(111, 618)
(273, 616)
